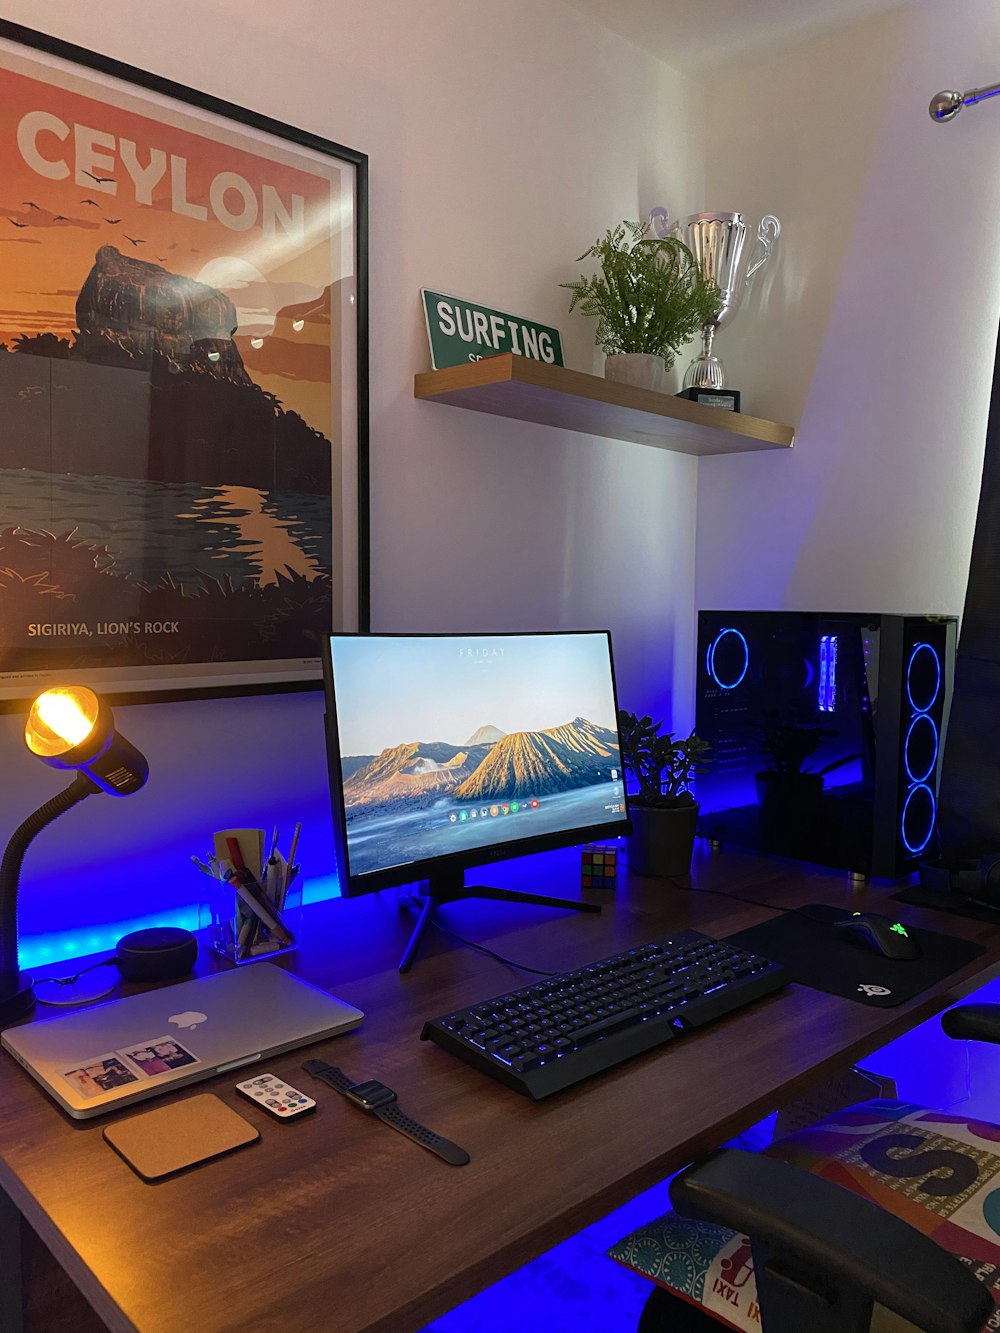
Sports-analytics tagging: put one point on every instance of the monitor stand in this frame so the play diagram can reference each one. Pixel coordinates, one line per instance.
(449, 886)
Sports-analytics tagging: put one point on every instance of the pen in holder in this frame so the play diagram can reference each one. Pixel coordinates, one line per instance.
(254, 905)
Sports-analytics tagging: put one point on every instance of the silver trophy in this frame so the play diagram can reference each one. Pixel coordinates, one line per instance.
(717, 241)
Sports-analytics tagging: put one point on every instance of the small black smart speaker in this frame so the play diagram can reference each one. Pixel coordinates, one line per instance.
(161, 953)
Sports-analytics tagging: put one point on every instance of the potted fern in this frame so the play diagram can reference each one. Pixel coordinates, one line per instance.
(663, 812)
(649, 299)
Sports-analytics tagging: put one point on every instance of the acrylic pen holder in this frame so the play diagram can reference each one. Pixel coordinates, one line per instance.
(234, 924)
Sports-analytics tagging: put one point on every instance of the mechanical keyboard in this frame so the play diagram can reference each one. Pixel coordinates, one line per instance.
(552, 1034)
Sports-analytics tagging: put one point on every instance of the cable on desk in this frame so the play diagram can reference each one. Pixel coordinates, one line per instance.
(751, 902)
(687, 888)
(509, 962)
(68, 981)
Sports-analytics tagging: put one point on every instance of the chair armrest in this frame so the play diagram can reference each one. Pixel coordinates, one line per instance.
(848, 1239)
(972, 1022)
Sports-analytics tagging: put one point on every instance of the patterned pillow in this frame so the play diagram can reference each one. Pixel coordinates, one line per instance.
(940, 1173)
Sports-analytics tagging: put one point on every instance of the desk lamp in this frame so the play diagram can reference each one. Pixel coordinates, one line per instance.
(68, 727)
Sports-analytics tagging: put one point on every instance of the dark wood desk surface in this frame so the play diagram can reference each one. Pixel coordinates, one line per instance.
(336, 1224)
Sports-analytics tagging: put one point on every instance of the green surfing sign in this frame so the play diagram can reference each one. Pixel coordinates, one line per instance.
(461, 331)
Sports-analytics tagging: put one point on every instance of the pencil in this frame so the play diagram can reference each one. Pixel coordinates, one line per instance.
(291, 861)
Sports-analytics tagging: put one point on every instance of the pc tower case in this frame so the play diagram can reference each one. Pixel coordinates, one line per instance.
(826, 732)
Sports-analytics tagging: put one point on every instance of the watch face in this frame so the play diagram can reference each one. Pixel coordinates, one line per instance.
(371, 1095)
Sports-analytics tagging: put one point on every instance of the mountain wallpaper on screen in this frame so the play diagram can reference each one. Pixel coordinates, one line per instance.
(523, 763)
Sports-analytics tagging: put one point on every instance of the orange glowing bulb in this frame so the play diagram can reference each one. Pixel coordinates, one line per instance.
(61, 719)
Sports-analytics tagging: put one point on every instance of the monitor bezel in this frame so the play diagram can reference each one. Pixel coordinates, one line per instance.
(353, 886)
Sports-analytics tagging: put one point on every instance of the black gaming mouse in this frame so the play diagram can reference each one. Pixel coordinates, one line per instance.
(880, 934)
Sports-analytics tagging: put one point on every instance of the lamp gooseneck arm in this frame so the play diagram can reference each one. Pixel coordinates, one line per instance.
(10, 872)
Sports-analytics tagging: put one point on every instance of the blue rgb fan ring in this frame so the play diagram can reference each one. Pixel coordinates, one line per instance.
(916, 839)
(710, 662)
(936, 666)
(920, 749)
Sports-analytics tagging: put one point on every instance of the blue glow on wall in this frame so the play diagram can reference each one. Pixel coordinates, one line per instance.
(42, 947)
(38, 950)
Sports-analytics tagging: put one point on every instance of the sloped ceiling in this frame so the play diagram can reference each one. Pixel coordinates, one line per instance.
(692, 34)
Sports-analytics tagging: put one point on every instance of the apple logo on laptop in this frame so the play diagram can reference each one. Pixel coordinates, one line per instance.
(189, 1019)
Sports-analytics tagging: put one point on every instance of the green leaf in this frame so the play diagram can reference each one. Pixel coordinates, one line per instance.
(649, 296)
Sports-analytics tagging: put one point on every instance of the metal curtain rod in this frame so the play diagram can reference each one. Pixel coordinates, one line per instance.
(946, 105)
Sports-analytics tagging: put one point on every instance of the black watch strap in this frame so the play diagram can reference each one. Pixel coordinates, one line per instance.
(392, 1115)
(329, 1074)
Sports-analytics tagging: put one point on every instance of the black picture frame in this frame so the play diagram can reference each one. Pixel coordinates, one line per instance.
(182, 539)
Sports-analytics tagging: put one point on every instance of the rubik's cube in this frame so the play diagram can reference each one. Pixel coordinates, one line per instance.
(599, 867)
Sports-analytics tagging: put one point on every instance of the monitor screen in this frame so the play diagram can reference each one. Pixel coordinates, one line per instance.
(448, 751)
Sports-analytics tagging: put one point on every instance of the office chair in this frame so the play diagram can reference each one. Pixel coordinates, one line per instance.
(883, 1216)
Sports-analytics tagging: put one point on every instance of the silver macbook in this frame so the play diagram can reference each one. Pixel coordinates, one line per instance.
(129, 1049)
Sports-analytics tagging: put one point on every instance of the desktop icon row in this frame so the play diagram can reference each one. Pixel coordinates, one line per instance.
(493, 811)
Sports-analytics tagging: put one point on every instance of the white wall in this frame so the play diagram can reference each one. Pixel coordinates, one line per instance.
(502, 141)
(876, 331)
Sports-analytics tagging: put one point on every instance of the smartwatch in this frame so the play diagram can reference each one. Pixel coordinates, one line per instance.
(376, 1099)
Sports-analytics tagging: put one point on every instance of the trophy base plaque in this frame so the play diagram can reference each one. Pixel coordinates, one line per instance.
(728, 399)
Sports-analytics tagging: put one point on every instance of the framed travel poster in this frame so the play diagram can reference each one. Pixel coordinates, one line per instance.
(183, 385)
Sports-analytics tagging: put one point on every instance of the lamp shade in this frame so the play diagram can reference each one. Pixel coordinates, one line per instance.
(60, 720)
(70, 727)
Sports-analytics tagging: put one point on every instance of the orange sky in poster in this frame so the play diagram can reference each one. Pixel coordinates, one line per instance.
(51, 229)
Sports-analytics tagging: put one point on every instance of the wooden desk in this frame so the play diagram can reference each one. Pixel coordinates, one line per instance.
(335, 1224)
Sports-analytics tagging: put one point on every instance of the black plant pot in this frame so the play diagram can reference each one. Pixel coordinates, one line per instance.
(662, 840)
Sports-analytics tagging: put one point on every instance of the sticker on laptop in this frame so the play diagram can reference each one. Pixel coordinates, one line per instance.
(131, 1064)
(159, 1056)
(102, 1074)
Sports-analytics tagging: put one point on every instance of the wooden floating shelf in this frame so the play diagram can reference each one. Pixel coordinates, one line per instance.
(528, 390)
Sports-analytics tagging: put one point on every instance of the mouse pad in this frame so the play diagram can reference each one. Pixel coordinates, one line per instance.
(816, 956)
(158, 1143)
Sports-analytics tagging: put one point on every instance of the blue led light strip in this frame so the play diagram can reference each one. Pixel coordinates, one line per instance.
(39, 950)
(827, 673)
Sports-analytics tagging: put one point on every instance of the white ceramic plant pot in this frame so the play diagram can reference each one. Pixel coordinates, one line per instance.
(640, 369)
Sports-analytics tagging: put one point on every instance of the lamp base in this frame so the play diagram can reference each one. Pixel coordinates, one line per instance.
(87, 988)
(20, 1002)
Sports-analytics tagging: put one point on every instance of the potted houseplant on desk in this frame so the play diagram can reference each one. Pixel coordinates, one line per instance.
(663, 812)
(649, 299)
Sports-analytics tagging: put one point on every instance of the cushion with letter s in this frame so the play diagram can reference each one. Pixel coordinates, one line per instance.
(938, 1172)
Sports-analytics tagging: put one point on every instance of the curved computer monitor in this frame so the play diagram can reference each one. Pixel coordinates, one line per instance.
(449, 751)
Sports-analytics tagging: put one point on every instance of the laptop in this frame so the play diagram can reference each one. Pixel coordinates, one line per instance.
(129, 1049)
